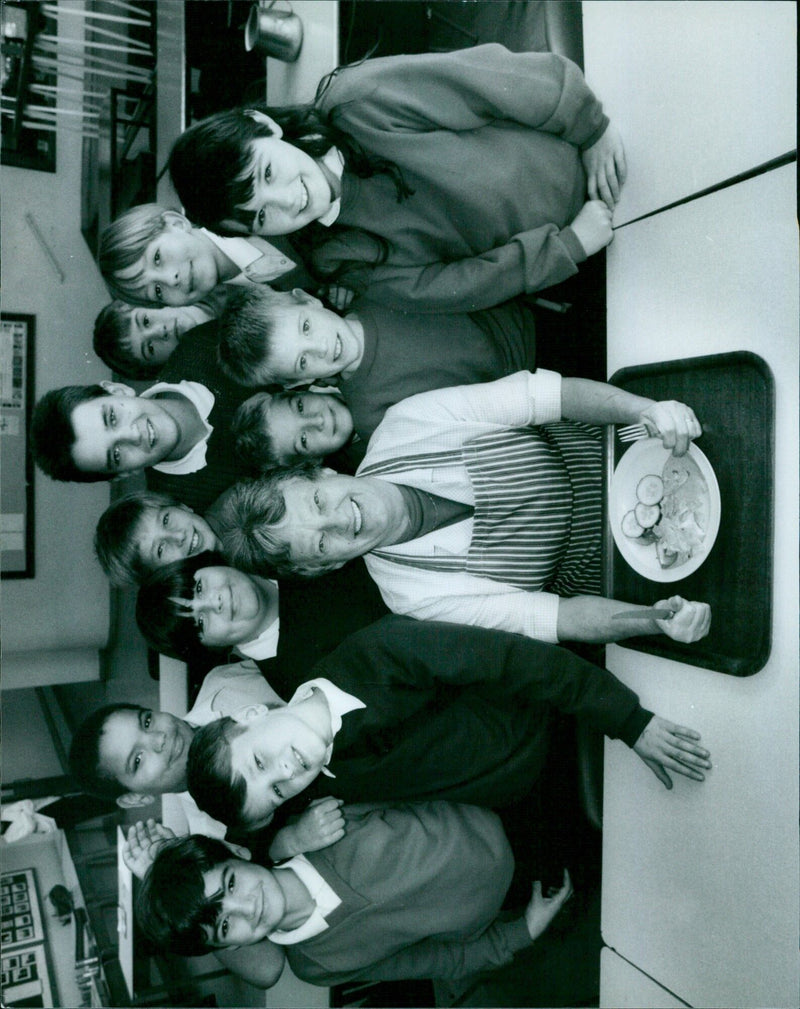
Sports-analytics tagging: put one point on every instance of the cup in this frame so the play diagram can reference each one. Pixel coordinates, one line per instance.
(273, 31)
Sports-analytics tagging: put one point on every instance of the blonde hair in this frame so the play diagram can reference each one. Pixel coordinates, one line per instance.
(124, 242)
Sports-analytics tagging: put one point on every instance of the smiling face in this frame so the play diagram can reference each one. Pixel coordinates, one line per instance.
(253, 904)
(304, 425)
(122, 433)
(145, 750)
(278, 754)
(171, 533)
(178, 267)
(290, 189)
(229, 607)
(333, 518)
(154, 333)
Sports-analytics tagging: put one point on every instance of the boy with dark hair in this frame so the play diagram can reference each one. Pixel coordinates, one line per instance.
(52, 433)
(410, 891)
(376, 355)
(411, 710)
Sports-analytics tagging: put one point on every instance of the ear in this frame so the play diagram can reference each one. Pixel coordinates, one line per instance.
(173, 219)
(304, 298)
(239, 851)
(229, 224)
(268, 121)
(117, 388)
(249, 712)
(133, 800)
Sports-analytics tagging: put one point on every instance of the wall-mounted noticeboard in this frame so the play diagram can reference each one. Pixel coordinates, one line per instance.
(17, 334)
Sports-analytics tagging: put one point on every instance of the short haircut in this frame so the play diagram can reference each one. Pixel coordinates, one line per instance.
(247, 331)
(52, 433)
(172, 908)
(246, 519)
(254, 446)
(112, 342)
(114, 538)
(209, 773)
(164, 623)
(123, 243)
(84, 753)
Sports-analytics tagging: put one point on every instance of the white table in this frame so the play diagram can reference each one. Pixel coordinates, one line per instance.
(701, 91)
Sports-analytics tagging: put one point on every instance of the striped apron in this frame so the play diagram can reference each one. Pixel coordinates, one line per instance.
(537, 523)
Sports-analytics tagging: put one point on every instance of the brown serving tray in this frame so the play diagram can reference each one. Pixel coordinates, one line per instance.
(733, 396)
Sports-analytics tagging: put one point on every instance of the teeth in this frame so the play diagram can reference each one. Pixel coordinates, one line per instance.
(356, 517)
(193, 543)
(337, 350)
(151, 434)
(304, 196)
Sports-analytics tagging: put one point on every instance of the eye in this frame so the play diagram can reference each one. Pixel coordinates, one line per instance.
(304, 440)
(160, 551)
(146, 321)
(261, 217)
(321, 544)
(137, 762)
(223, 928)
(303, 363)
(200, 624)
(268, 173)
(306, 327)
(300, 407)
(116, 456)
(159, 293)
(277, 792)
(231, 882)
(147, 719)
(157, 257)
(112, 417)
(165, 520)
(259, 765)
(317, 501)
(148, 349)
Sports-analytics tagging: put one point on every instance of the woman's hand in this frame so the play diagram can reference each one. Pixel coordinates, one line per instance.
(674, 423)
(606, 170)
(541, 910)
(690, 620)
(663, 745)
(142, 844)
(592, 226)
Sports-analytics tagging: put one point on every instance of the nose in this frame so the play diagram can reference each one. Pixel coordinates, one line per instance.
(158, 741)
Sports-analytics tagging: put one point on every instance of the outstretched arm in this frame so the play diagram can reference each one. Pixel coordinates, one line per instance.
(597, 619)
(601, 403)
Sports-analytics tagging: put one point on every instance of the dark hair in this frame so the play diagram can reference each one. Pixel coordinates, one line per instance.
(246, 332)
(172, 908)
(249, 511)
(210, 163)
(52, 433)
(114, 539)
(209, 773)
(253, 445)
(112, 343)
(123, 243)
(84, 753)
(163, 622)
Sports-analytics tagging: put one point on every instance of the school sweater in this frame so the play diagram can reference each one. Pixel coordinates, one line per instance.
(490, 143)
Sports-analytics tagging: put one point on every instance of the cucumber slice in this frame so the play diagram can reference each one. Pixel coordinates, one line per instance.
(650, 489)
(647, 514)
(631, 527)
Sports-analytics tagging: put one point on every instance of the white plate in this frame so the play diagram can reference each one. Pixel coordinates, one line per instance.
(648, 456)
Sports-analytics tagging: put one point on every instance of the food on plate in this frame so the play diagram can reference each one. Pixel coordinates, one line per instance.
(671, 511)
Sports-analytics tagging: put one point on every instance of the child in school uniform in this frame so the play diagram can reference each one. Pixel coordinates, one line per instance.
(443, 181)
(153, 256)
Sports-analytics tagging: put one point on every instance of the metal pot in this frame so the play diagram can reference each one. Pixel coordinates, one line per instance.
(274, 32)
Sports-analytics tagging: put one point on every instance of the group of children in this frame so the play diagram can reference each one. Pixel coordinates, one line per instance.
(427, 197)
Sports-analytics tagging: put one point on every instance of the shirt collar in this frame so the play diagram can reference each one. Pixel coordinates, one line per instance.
(339, 702)
(203, 401)
(323, 896)
(334, 162)
(265, 646)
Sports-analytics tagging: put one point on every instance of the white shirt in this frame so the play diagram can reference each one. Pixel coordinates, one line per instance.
(203, 401)
(334, 162)
(339, 702)
(323, 896)
(242, 252)
(265, 646)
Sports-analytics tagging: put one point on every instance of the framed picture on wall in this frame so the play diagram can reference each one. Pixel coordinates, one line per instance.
(17, 334)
